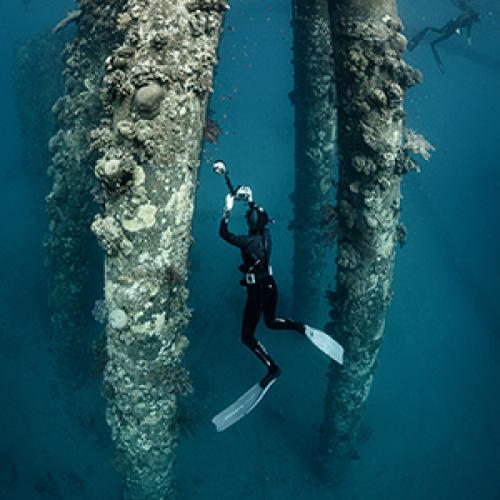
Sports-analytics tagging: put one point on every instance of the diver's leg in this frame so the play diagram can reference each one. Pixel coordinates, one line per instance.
(251, 316)
(439, 62)
(270, 301)
(416, 39)
(320, 339)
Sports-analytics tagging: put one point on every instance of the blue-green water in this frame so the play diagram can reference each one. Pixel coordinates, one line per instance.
(431, 427)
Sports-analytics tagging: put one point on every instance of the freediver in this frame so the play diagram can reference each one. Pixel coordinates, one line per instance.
(262, 292)
(454, 26)
(262, 298)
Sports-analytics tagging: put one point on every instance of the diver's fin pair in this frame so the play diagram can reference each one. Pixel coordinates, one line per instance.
(242, 406)
(325, 343)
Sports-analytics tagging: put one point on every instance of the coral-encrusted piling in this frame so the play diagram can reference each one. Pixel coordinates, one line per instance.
(155, 96)
(371, 81)
(70, 204)
(38, 60)
(313, 97)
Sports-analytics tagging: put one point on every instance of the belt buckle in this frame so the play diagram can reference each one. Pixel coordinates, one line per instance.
(250, 278)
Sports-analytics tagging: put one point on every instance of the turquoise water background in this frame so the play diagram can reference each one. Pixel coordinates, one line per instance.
(431, 427)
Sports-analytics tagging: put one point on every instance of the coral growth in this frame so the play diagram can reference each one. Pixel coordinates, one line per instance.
(212, 131)
(417, 144)
(147, 99)
(110, 235)
(329, 224)
(72, 17)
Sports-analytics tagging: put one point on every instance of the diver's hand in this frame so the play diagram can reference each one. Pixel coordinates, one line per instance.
(228, 205)
(244, 193)
(219, 167)
(229, 202)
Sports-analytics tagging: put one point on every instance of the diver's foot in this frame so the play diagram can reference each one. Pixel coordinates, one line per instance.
(301, 328)
(273, 373)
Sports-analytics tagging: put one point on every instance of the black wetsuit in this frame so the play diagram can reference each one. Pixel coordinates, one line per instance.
(262, 296)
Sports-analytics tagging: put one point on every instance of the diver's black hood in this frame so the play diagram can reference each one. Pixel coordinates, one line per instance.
(257, 219)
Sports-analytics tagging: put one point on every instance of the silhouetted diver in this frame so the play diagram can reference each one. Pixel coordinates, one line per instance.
(455, 26)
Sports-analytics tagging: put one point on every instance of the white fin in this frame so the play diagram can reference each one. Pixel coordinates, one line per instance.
(241, 407)
(325, 343)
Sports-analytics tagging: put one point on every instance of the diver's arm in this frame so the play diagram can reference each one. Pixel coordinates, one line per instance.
(233, 239)
(224, 233)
